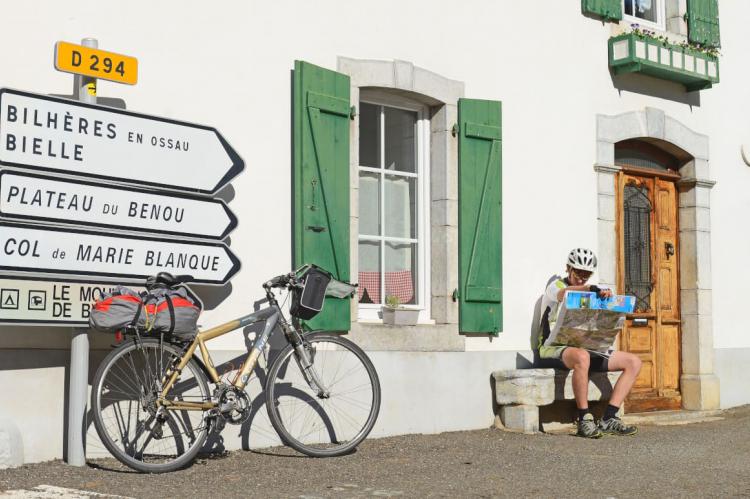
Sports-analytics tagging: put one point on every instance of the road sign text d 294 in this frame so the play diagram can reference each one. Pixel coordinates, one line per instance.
(77, 59)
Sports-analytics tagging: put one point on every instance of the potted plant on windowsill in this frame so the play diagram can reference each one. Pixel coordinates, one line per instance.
(395, 314)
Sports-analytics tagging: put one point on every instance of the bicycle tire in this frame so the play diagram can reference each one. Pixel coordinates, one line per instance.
(285, 381)
(113, 392)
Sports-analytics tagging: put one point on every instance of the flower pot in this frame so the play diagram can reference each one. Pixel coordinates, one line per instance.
(400, 316)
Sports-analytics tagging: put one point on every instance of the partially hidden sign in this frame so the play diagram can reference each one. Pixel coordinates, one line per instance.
(53, 302)
(63, 136)
(77, 59)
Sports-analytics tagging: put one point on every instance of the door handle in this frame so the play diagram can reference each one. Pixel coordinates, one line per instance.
(669, 248)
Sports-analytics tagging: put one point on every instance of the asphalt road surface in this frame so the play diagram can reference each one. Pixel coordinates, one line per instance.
(709, 459)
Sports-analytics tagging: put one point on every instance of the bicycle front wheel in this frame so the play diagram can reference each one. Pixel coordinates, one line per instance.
(132, 425)
(328, 423)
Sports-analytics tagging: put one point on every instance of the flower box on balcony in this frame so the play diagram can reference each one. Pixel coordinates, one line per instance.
(633, 53)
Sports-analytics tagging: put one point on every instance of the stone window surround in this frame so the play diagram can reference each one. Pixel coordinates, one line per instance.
(699, 384)
(402, 78)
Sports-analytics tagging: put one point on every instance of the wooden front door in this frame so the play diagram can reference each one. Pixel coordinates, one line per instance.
(648, 268)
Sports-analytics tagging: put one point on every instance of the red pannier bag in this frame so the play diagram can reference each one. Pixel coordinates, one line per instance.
(117, 310)
(172, 312)
(168, 311)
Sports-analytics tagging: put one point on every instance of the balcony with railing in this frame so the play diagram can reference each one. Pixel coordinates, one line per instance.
(634, 53)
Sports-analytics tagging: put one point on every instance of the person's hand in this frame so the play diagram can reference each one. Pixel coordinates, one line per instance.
(600, 292)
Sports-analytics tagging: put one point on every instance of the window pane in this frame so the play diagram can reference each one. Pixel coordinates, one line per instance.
(633, 157)
(369, 135)
(642, 9)
(400, 134)
(369, 272)
(401, 271)
(400, 206)
(369, 203)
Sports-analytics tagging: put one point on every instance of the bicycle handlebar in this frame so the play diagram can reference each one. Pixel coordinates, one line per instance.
(280, 281)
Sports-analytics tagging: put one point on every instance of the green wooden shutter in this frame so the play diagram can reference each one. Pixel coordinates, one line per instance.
(321, 181)
(609, 10)
(703, 22)
(480, 216)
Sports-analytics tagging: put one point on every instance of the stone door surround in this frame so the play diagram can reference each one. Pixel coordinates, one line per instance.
(699, 384)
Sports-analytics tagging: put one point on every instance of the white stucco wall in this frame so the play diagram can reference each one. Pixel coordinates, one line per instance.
(229, 65)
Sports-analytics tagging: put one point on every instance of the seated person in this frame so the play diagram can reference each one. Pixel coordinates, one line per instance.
(581, 264)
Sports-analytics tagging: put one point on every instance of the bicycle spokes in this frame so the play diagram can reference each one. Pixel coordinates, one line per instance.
(328, 407)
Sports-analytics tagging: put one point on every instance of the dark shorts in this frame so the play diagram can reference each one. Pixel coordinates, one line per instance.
(598, 364)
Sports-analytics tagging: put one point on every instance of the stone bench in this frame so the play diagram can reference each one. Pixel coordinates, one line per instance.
(520, 392)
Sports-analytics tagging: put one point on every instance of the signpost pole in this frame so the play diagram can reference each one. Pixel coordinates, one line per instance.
(85, 90)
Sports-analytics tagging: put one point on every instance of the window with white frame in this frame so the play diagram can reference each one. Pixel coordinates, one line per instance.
(393, 203)
(645, 13)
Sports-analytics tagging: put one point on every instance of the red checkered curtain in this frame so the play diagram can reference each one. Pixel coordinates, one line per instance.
(399, 283)
(369, 284)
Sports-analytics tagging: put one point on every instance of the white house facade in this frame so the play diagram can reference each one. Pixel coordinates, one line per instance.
(449, 156)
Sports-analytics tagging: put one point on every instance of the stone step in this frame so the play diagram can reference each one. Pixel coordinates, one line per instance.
(668, 418)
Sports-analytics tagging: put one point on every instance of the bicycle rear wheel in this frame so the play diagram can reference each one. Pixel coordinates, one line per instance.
(130, 424)
(324, 425)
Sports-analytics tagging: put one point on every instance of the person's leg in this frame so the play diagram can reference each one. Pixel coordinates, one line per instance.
(630, 365)
(579, 361)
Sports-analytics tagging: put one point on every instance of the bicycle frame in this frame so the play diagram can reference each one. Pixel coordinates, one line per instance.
(271, 315)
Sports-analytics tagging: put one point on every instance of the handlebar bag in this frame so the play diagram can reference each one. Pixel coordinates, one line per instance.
(171, 311)
(307, 300)
(120, 308)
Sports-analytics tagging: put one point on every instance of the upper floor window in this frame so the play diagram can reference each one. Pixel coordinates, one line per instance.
(392, 206)
(646, 13)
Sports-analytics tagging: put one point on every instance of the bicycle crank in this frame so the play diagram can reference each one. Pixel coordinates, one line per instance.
(234, 405)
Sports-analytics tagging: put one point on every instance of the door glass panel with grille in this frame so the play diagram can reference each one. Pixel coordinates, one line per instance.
(637, 238)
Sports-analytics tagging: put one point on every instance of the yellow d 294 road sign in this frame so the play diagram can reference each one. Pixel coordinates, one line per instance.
(77, 59)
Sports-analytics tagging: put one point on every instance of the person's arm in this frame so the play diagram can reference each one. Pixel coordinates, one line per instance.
(601, 292)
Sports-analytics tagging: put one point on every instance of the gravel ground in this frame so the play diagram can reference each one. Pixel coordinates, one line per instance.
(710, 459)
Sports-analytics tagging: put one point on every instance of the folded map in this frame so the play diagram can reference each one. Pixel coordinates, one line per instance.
(589, 322)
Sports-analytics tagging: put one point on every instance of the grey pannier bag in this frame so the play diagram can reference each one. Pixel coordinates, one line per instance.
(171, 311)
(163, 310)
(120, 308)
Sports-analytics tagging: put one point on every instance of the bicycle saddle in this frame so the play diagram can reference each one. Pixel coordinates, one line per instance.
(166, 280)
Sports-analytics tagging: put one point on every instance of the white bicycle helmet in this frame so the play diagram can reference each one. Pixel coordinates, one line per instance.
(582, 259)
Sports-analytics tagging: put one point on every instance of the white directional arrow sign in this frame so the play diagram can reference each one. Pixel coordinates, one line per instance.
(29, 248)
(50, 199)
(53, 134)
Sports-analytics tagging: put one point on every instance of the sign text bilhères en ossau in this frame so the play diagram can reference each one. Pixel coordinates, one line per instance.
(54, 134)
